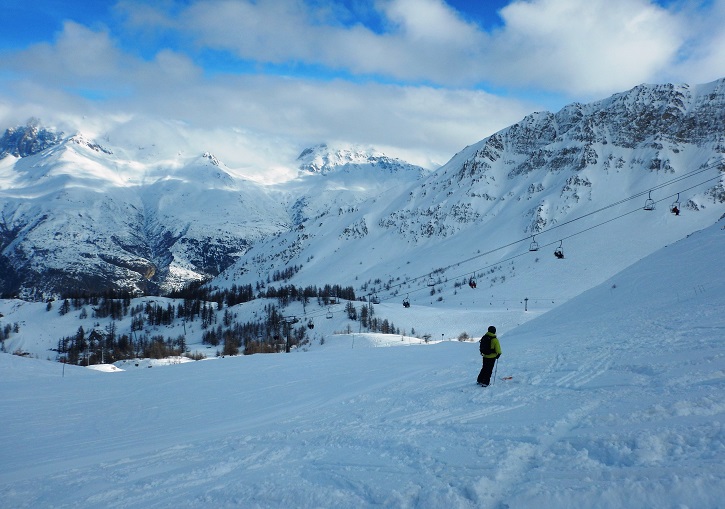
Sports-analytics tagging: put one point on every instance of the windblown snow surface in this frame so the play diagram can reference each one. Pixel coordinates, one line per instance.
(616, 401)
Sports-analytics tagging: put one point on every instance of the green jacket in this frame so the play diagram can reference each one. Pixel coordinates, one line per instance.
(495, 346)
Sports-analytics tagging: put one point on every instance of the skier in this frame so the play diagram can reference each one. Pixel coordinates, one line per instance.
(490, 351)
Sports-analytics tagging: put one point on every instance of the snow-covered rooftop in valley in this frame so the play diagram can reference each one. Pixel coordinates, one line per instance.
(613, 399)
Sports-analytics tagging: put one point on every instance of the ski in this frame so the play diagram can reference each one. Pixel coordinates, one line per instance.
(507, 378)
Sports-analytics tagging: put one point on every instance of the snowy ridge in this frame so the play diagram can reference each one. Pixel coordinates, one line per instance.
(615, 401)
(152, 225)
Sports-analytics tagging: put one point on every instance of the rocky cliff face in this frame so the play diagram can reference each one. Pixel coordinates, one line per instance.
(557, 160)
(27, 140)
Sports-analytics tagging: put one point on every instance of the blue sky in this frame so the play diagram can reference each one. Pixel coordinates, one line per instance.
(255, 81)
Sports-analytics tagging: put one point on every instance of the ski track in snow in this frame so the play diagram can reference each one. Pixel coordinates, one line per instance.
(469, 447)
(421, 437)
(362, 454)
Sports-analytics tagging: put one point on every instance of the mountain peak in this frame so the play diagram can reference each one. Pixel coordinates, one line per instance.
(23, 141)
(211, 157)
(80, 139)
(323, 159)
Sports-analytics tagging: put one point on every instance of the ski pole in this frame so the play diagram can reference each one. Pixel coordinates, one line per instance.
(495, 374)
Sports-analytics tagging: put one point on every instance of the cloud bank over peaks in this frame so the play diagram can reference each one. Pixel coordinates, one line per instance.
(567, 46)
(255, 82)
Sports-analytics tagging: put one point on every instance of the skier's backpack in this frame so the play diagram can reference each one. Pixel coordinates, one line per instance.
(485, 345)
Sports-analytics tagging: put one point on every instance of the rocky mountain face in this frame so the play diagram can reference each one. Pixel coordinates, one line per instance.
(78, 217)
(27, 140)
(552, 159)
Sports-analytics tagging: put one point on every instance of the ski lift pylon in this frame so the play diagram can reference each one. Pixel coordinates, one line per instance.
(649, 203)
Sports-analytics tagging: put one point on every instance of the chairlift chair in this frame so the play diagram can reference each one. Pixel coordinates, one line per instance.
(472, 283)
(534, 246)
(375, 299)
(431, 281)
(675, 208)
(310, 324)
(649, 203)
(559, 251)
(406, 302)
(329, 314)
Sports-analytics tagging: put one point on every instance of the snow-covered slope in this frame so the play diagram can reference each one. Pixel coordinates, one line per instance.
(615, 401)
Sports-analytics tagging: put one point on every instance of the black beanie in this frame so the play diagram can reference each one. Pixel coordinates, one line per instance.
(492, 329)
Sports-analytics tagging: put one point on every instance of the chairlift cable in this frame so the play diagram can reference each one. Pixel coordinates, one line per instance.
(469, 273)
(637, 195)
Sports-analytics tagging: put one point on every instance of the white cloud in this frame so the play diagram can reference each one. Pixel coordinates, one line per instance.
(429, 21)
(597, 46)
(141, 16)
(569, 46)
(702, 57)
(425, 40)
(85, 59)
(78, 54)
(267, 31)
(245, 119)
(435, 123)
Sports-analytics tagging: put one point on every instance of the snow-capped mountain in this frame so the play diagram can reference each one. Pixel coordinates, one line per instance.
(77, 218)
(343, 177)
(324, 159)
(527, 184)
(79, 215)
